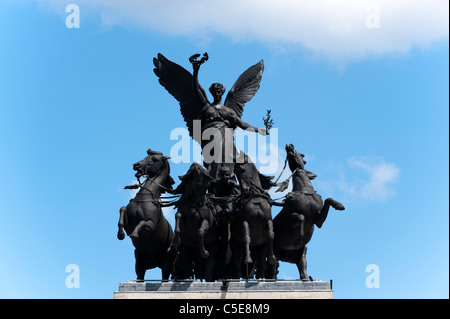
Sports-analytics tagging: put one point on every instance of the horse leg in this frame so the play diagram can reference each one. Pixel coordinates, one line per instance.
(201, 234)
(176, 240)
(168, 263)
(301, 224)
(235, 263)
(322, 216)
(210, 262)
(139, 266)
(271, 270)
(247, 240)
(143, 223)
(260, 265)
(183, 264)
(335, 204)
(120, 233)
(301, 263)
(270, 236)
(297, 219)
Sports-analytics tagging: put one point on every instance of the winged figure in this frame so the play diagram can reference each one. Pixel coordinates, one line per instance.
(217, 120)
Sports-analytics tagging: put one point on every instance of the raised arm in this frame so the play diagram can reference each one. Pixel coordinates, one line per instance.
(198, 90)
(196, 85)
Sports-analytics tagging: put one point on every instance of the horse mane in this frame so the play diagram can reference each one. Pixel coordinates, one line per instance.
(266, 181)
(310, 175)
(182, 186)
(168, 183)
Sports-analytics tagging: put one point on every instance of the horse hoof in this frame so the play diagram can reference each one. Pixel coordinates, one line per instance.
(204, 254)
(120, 235)
(248, 260)
(272, 260)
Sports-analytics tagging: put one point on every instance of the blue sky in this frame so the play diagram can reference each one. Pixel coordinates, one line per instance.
(368, 106)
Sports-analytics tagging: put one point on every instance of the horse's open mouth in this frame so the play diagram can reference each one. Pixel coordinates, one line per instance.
(138, 174)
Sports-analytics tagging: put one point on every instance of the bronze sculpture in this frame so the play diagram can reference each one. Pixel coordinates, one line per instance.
(252, 229)
(302, 209)
(143, 220)
(195, 226)
(223, 224)
(214, 117)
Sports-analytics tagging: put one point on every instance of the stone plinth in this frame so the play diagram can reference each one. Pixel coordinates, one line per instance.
(228, 290)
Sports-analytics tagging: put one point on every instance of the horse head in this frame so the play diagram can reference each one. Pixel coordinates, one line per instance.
(154, 165)
(250, 179)
(194, 182)
(150, 165)
(296, 159)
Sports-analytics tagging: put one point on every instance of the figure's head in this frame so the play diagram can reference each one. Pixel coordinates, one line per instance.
(217, 90)
(225, 173)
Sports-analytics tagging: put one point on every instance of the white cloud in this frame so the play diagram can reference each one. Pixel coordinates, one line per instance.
(336, 29)
(363, 177)
(382, 176)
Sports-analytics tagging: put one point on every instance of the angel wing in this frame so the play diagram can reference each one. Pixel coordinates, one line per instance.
(178, 82)
(245, 88)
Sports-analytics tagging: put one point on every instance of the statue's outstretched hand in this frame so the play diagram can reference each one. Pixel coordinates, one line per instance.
(263, 131)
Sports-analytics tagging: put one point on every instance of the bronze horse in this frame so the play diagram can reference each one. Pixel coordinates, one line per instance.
(302, 209)
(252, 232)
(196, 229)
(143, 219)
